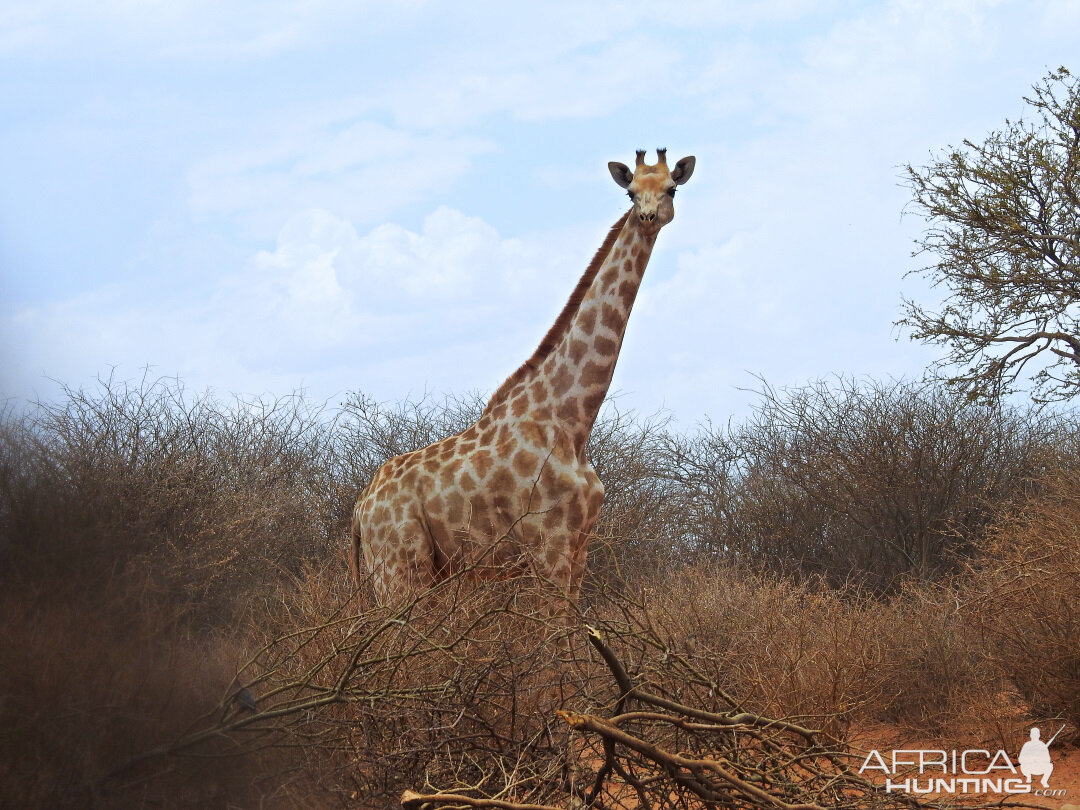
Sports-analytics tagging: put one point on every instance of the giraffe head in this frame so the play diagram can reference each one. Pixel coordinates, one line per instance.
(652, 188)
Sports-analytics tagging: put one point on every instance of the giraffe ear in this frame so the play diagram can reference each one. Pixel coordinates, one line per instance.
(622, 174)
(683, 169)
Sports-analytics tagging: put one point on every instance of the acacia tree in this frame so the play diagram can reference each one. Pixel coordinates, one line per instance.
(1004, 226)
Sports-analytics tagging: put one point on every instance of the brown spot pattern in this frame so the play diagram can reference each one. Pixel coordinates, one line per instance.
(561, 382)
(451, 500)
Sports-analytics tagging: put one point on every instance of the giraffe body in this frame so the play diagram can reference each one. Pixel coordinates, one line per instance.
(514, 493)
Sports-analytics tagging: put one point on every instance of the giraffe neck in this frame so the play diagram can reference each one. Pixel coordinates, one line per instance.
(573, 380)
(562, 324)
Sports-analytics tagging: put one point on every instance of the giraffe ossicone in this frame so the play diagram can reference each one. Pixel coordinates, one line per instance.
(514, 492)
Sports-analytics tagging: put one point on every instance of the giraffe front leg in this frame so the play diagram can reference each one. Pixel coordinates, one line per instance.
(566, 561)
(553, 564)
(593, 502)
(577, 569)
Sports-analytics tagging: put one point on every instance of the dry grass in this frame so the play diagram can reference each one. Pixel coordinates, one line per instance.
(1024, 597)
(830, 657)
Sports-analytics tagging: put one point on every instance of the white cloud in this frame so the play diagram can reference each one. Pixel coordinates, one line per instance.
(547, 83)
(76, 339)
(327, 307)
(325, 289)
(362, 169)
(329, 123)
(194, 29)
(498, 34)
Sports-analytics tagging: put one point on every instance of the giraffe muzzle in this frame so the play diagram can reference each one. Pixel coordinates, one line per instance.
(655, 215)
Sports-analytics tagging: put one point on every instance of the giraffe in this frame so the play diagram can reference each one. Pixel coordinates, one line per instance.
(514, 493)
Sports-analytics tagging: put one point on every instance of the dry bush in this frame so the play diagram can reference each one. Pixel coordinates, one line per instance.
(213, 502)
(781, 646)
(84, 691)
(139, 527)
(370, 433)
(148, 536)
(469, 694)
(867, 480)
(940, 682)
(138, 520)
(1023, 597)
(455, 689)
(833, 657)
(645, 509)
(675, 738)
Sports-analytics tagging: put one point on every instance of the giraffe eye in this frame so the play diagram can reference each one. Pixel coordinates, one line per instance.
(631, 195)
(671, 191)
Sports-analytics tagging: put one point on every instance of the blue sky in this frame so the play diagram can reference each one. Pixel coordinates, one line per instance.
(397, 198)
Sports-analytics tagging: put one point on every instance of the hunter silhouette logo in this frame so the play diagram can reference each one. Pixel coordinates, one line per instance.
(972, 771)
(1034, 758)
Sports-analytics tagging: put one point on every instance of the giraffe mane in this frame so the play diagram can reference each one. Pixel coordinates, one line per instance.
(561, 326)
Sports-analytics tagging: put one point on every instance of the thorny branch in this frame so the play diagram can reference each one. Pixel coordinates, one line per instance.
(490, 702)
